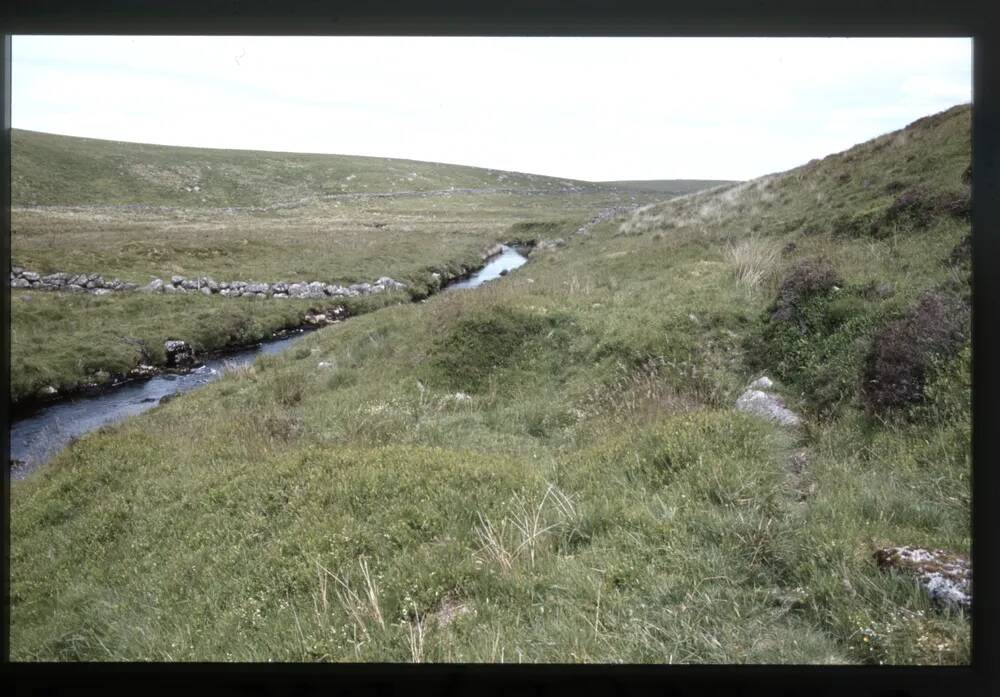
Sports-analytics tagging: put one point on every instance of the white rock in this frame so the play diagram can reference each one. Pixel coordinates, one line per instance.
(946, 577)
(761, 383)
(766, 406)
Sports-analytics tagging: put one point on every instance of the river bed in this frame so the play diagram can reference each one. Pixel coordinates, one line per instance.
(37, 436)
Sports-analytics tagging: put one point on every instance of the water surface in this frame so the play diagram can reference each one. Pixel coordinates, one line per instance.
(507, 260)
(36, 437)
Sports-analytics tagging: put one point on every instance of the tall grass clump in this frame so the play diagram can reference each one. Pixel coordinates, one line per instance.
(753, 260)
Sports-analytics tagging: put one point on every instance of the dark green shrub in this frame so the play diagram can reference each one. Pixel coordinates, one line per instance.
(896, 367)
(810, 278)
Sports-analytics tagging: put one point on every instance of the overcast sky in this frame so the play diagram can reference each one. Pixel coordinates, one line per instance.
(584, 108)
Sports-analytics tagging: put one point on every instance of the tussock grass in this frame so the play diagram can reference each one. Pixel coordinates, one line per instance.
(753, 260)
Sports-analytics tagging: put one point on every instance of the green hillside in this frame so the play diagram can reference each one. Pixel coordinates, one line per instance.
(550, 467)
(63, 170)
(674, 187)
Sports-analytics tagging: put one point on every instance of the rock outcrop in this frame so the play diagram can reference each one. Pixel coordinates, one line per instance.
(946, 577)
(758, 401)
(179, 354)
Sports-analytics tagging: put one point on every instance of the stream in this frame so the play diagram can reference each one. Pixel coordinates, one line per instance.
(37, 436)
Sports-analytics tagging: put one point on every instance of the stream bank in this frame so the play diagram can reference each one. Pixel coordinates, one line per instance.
(40, 430)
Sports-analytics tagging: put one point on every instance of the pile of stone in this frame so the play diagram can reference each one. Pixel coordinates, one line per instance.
(94, 283)
(232, 289)
(758, 400)
(68, 282)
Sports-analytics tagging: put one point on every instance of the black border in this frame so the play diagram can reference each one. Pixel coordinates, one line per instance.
(582, 18)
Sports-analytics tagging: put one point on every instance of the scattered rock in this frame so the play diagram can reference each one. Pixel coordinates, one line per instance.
(946, 577)
(206, 285)
(545, 245)
(759, 403)
(178, 353)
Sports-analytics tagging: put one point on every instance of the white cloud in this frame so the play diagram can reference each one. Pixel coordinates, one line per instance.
(589, 108)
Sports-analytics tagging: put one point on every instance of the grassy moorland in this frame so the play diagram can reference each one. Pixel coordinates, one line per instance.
(550, 468)
(670, 187)
(130, 211)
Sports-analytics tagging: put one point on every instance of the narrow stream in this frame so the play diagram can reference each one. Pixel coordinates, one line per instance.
(36, 437)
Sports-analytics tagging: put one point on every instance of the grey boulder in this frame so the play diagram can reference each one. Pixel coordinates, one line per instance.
(178, 353)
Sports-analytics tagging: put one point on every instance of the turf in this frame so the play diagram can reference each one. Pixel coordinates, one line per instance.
(549, 467)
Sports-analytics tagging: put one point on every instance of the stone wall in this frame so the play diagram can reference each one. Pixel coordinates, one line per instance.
(96, 284)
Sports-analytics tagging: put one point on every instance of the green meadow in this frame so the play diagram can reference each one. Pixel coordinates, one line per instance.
(547, 468)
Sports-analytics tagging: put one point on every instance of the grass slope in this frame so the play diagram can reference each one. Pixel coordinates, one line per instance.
(549, 468)
(51, 169)
(128, 210)
(675, 187)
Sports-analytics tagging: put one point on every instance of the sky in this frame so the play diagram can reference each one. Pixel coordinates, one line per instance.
(596, 109)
